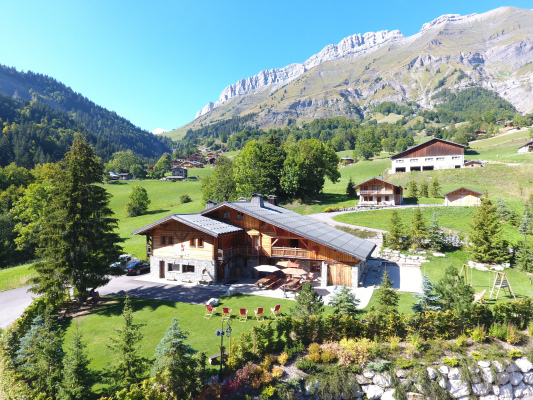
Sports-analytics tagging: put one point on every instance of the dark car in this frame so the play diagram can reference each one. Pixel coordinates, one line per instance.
(137, 268)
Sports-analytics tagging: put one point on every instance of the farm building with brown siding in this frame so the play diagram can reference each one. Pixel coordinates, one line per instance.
(462, 197)
(428, 156)
(229, 239)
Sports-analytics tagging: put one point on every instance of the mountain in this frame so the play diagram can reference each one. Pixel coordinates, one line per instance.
(493, 50)
(109, 131)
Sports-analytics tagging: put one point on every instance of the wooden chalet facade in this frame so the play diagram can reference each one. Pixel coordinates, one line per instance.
(428, 156)
(462, 197)
(378, 192)
(229, 239)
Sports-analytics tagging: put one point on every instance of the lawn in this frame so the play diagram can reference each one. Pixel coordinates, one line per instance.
(454, 219)
(14, 277)
(502, 148)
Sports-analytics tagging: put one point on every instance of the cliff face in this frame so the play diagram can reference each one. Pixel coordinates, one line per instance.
(493, 50)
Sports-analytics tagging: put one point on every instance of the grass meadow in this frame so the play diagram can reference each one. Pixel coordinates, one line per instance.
(14, 277)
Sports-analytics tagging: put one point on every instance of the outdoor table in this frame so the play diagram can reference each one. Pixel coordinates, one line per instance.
(265, 281)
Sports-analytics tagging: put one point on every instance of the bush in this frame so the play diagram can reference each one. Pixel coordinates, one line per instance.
(451, 362)
(314, 348)
(267, 392)
(380, 366)
(328, 356)
(185, 198)
(514, 336)
(477, 356)
(498, 331)
(478, 334)
(283, 358)
(277, 372)
(530, 329)
(513, 354)
(305, 365)
(314, 357)
(461, 341)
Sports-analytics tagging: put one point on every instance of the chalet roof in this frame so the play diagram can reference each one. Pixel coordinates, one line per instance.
(463, 188)
(303, 226)
(526, 144)
(473, 161)
(379, 179)
(207, 225)
(427, 143)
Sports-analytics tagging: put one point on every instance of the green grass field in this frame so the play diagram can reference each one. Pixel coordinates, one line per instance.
(14, 277)
(503, 148)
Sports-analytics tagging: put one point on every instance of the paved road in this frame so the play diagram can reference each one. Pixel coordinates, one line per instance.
(13, 302)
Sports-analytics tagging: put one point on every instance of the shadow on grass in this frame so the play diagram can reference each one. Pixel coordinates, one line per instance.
(471, 152)
(327, 199)
(154, 212)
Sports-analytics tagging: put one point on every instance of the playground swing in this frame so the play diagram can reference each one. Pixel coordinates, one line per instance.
(500, 282)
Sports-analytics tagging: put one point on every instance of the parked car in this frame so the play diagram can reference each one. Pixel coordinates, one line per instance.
(137, 268)
(124, 260)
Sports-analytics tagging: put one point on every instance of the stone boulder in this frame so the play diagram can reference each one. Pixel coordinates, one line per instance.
(232, 291)
(459, 388)
(213, 302)
(373, 392)
(523, 364)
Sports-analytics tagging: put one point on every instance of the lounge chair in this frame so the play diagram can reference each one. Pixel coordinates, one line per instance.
(226, 313)
(210, 310)
(243, 315)
(275, 311)
(259, 314)
(480, 297)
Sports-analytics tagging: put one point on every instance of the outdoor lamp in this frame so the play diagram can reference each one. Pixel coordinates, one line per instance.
(220, 332)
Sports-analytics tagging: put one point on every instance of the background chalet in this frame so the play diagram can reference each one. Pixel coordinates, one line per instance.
(430, 155)
(376, 191)
(227, 240)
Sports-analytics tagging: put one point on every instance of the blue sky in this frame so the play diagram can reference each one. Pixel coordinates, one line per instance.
(158, 62)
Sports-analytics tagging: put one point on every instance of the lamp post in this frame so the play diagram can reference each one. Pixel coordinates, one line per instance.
(220, 332)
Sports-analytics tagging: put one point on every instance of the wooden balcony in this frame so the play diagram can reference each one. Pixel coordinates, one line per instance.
(291, 252)
(287, 252)
(237, 251)
(378, 192)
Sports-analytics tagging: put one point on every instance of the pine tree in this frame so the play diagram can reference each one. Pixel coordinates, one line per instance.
(435, 188)
(127, 367)
(308, 302)
(525, 224)
(344, 302)
(427, 301)
(388, 298)
(40, 356)
(501, 209)
(77, 241)
(484, 237)
(412, 189)
(418, 230)
(435, 234)
(524, 258)
(176, 367)
(77, 378)
(424, 190)
(395, 236)
(350, 190)
(454, 293)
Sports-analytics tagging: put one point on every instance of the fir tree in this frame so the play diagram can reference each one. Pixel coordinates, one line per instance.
(176, 367)
(77, 241)
(525, 224)
(344, 302)
(418, 231)
(427, 300)
(388, 298)
(435, 234)
(77, 378)
(412, 189)
(308, 302)
(394, 238)
(350, 190)
(39, 358)
(127, 367)
(484, 237)
(524, 258)
(424, 190)
(454, 293)
(435, 188)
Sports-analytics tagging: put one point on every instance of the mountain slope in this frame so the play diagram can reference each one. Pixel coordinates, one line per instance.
(103, 124)
(493, 50)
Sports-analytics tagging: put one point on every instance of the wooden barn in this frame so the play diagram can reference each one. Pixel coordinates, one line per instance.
(428, 156)
(378, 192)
(227, 240)
(462, 197)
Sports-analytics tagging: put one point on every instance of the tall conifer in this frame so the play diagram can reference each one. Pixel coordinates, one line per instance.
(485, 231)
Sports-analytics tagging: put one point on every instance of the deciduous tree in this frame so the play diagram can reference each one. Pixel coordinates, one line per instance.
(139, 201)
(220, 186)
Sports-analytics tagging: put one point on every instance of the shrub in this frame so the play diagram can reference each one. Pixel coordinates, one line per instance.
(394, 343)
(283, 358)
(478, 334)
(451, 362)
(266, 377)
(305, 364)
(267, 392)
(380, 366)
(245, 374)
(514, 336)
(256, 382)
(514, 354)
(498, 331)
(416, 341)
(314, 348)
(328, 356)
(404, 363)
(185, 198)
(277, 372)
(314, 357)
(477, 356)
(358, 350)
(530, 329)
(461, 340)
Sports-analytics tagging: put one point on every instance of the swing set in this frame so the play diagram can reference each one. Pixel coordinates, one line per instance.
(500, 282)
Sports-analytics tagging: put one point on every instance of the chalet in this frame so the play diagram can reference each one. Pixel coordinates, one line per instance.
(192, 164)
(462, 197)
(125, 176)
(378, 192)
(347, 161)
(212, 155)
(473, 164)
(502, 121)
(526, 148)
(433, 154)
(227, 240)
(177, 162)
(195, 157)
(178, 174)
(481, 133)
(113, 176)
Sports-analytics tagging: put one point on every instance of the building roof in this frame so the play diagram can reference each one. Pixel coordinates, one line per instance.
(427, 143)
(379, 179)
(207, 225)
(463, 188)
(303, 226)
(473, 161)
(526, 144)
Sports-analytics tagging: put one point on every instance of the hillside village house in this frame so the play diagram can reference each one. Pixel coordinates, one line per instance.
(428, 156)
(462, 197)
(178, 174)
(526, 148)
(473, 164)
(378, 192)
(227, 240)
(195, 157)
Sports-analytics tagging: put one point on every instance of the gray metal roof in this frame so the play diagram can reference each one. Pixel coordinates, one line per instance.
(197, 221)
(305, 227)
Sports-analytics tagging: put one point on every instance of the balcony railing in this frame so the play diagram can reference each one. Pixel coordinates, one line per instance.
(383, 191)
(237, 250)
(291, 252)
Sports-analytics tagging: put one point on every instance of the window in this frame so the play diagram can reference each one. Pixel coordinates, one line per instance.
(399, 161)
(315, 266)
(456, 158)
(386, 198)
(192, 243)
(240, 215)
(163, 240)
(187, 268)
(379, 187)
(373, 187)
(429, 159)
(171, 240)
(200, 242)
(365, 187)
(227, 215)
(440, 158)
(293, 242)
(414, 159)
(173, 267)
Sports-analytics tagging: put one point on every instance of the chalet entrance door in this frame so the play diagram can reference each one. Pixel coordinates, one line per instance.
(220, 271)
(161, 269)
(339, 275)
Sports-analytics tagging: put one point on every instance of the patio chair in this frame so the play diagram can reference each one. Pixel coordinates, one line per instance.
(243, 315)
(226, 313)
(480, 297)
(275, 311)
(210, 310)
(259, 314)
